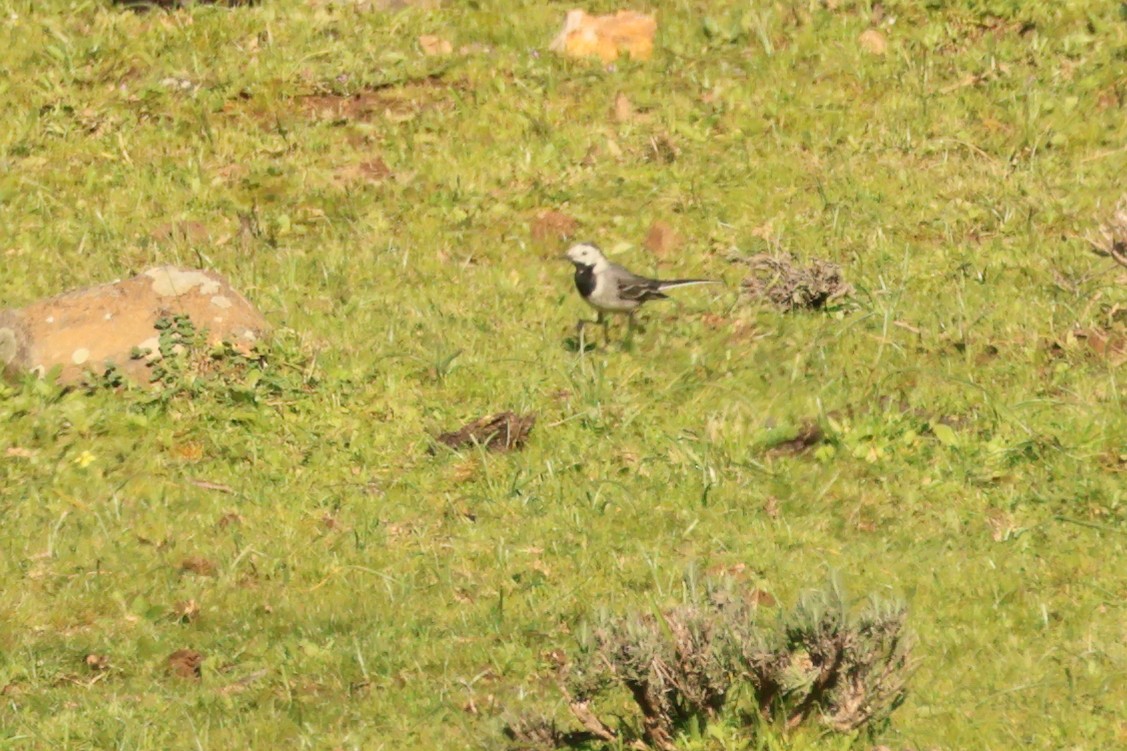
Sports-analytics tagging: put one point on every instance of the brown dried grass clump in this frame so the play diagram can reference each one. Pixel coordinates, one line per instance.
(779, 280)
(679, 668)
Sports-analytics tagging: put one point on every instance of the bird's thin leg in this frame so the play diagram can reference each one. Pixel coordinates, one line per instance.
(605, 321)
(582, 324)
(630, 325)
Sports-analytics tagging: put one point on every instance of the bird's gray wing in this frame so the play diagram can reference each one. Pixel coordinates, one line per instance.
(634, 288)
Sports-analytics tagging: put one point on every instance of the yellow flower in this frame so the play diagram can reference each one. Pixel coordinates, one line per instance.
(85, 459)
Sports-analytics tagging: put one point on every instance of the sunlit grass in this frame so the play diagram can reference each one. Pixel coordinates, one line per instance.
(369, 594)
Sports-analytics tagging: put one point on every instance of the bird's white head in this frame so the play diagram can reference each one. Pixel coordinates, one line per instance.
(585, 254)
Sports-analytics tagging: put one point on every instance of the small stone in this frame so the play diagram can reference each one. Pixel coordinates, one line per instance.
(80, 356)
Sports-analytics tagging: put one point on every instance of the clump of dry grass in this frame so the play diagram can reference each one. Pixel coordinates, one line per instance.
(780, 280)
(1111, 239)
(681, 667)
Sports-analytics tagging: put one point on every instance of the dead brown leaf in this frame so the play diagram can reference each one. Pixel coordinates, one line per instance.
(97, 663)
(1106, 344)
(229, 518)
(185, 663)
(771, 507)
(714, 320)
(761, 598)
(504, 431)
(370, 171)
(1000, 523)
(186, 611)
(661, 239)
(432, 45)
(198, 565)
(465, 471)
(374, 169)
(189, 451)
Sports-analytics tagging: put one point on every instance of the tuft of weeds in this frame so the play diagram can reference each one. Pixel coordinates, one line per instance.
(1111, 239)
(779, 280)
(683, 666)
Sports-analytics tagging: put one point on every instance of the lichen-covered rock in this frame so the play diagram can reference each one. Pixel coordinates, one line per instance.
(90, 328)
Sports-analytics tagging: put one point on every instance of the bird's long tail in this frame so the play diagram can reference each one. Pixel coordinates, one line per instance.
(675, 283)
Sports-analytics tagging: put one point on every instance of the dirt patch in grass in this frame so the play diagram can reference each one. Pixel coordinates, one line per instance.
(373, 171)
(185, 663)
(396, 101)
(505, 431)
(390, 100)
(198, 565)
(552, 228)
(779, 280)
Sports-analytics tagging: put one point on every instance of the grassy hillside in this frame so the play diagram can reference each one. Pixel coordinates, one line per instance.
(346, 588)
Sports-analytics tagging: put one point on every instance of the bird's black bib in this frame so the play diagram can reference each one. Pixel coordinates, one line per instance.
(585, 280)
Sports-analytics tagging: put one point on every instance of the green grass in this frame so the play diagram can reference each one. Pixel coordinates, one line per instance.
(370, 590)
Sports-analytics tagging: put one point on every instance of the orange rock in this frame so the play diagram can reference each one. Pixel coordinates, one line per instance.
(606, 36)
(89, 328)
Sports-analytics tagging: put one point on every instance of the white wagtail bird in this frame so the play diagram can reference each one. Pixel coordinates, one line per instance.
(610, 288)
